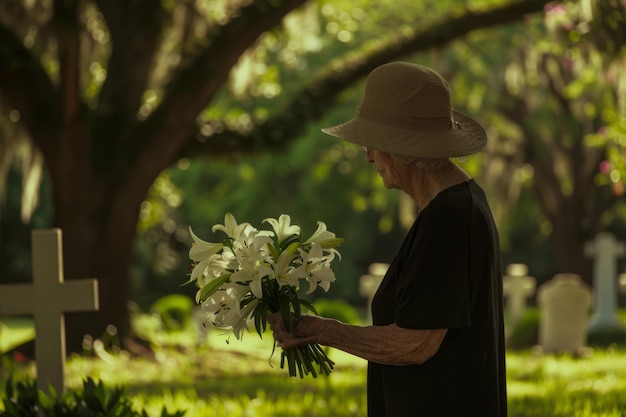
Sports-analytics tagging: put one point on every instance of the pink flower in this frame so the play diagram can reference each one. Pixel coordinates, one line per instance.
(605, 167)
(19, 357)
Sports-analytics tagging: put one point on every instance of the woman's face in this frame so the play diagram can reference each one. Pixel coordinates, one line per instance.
(393, 172)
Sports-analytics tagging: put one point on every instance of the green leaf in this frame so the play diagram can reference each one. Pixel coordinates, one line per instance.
(290, 241)
(295, 302)
(210, 289)
(331, 243)
(260, 317)
(285, 310)
(291, 363)
(273, 250)
(309, 306)
(292, 248)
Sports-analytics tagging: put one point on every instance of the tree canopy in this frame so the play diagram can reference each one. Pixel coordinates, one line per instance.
(111, 93)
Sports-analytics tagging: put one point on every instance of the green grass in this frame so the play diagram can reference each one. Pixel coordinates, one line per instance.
(239, 379)
(566, 386)
(14, 332)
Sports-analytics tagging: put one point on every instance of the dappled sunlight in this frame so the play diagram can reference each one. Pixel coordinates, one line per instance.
(237, 378)
(561, 385)
(217, 376)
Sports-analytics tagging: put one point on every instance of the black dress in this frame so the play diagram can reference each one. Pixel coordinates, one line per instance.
(447, 274)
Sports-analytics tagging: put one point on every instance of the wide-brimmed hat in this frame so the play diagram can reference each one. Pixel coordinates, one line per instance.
(406, 110)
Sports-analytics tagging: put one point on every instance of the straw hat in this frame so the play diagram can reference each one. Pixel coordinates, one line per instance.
(406, 110)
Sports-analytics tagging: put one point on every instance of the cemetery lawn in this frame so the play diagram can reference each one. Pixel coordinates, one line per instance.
(236, 379)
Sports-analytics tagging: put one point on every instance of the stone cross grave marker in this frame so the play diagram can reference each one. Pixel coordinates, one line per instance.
(368, 284)
(605, 250)
(565, 302)
(47, 299)
(517, 287)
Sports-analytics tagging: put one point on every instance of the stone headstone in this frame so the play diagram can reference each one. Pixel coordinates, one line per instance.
(368, 284)
(46, 300)
(517, 287)
(621, 282)
(605, 250)
(565, 302)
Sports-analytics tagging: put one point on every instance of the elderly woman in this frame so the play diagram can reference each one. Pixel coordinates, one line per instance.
(436, 345)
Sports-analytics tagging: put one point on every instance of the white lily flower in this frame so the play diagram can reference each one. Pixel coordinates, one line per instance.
(251, 271)
(234, 276)
(254, 239)
(321, 235)
(317, 269)
(284, 272)
(322, 276)
(202, 253)
(283, 227)
(230, 227)
(244, 315)
(200, 270)
(224, 308)
(201, 249)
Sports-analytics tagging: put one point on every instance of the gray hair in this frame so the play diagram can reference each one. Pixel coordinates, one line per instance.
(423, 163)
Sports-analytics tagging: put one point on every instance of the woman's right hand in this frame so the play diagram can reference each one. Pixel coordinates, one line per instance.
(308, 330)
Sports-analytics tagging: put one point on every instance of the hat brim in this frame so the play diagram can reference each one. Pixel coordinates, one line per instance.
(466, 140)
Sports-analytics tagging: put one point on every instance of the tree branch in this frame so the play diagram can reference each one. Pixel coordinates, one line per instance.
(172, 123)
(311, 103)
(548, 189)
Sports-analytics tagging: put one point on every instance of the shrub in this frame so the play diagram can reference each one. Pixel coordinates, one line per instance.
(607, 337)
(22, 399)
(526, 333)
(337, 309)
(175, 311)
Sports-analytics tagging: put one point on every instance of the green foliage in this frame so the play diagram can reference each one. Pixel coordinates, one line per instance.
(22, 399)
(565, 386)
(607, 337)
(175, 311)
(338, 309)
(15, 332)
(525, 334)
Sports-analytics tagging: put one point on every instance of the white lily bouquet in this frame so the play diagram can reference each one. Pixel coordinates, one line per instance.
(253, 273)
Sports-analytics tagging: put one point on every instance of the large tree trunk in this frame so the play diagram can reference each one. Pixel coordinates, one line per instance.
(573, 217)
(570, 237)
(98, 219)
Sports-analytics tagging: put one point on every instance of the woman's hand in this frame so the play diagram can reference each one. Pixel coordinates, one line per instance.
(309, 330)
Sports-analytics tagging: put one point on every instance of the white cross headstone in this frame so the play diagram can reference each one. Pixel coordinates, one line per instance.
(517, 287)
(565, 301)
(606, 250)
(47, 299)
(368, 284)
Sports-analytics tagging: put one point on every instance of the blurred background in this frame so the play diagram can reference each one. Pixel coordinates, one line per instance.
(124, 123)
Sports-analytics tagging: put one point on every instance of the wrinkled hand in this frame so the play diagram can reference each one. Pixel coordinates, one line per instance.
(307, 331)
